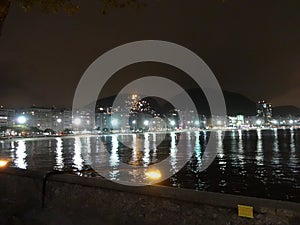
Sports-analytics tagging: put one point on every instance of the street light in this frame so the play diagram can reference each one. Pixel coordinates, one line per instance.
(172, 123)
(77, 121)
(114, 122)
(258, 122)
(146, 122)
(21, 119)
(59, 120)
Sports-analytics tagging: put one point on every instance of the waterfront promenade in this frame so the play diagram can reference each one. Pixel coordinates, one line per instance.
(73, 200)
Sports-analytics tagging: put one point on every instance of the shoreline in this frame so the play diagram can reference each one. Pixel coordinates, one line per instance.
(149, 132)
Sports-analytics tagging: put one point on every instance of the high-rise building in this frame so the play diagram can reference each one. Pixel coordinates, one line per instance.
(236, 121)
(7, 117)
(103, 118)
(218, 121)
(264, 113)
(44, 118)
(36, 117)
(82, 120)
(61, 119)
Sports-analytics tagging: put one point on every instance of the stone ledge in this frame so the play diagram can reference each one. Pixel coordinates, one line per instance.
(260, 205)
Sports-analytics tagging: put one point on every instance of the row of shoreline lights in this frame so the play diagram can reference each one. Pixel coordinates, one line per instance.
(114, 122)
(275, 122)
(77, 121)
(23, 120)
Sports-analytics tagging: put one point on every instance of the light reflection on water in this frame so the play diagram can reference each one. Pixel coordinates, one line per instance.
(262, 163)
(21, 155)
(59, 154)
(259, 154)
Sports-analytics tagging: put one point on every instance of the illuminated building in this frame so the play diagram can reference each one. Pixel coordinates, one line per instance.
(61, 119)
(45, 118)
(7, 117)
(82, 121)
(264, 113)
(236, 121)
(36, 117)
(218, 121)
(103, 118)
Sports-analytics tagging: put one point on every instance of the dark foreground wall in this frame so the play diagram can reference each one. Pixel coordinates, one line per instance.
(77, 200)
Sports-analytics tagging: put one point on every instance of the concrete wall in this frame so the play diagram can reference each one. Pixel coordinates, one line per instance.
(74, 200)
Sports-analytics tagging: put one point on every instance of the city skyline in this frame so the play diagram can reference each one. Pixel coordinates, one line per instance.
(138, 115)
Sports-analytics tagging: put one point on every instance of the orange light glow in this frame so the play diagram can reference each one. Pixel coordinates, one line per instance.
(3, 163)
(153, 174)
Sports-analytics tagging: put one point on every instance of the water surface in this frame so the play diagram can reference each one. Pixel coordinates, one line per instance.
(261, 163)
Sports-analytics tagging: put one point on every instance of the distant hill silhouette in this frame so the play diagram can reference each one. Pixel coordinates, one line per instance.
(286, 110)
(235, 103)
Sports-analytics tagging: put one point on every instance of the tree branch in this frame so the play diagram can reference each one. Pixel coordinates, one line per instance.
(4, 7)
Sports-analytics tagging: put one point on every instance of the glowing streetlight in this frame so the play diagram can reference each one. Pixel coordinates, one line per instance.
(21, 119)
(133, 122)
(258, 122)
(291, 121)
(197, 122)
(172, 122)
(77, 121)
(275, 121)
(114, 122)
(146, 122)
(59, 120)
(219, 122)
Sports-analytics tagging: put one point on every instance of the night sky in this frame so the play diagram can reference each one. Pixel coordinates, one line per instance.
(253, 47)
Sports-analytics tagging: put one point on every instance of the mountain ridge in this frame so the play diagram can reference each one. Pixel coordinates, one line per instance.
(235, 104)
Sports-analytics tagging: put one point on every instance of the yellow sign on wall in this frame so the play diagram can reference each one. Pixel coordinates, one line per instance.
(245, 211)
